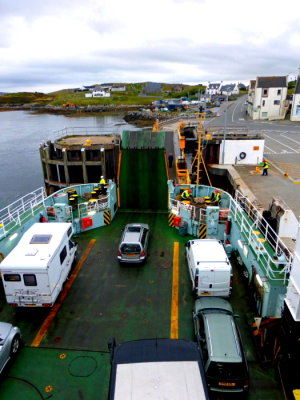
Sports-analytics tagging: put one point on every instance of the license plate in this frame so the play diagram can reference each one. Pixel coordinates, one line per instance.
(226, 383)
(205, 293)
(130, 255)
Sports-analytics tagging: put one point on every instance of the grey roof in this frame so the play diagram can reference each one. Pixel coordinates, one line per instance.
(214, 85)
(153, 85)
(297, 88)
(271, 81)
(228, 88)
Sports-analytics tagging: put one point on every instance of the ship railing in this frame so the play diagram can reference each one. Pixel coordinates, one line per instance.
(85, 131)
(20, 211)
(92, 207)
(196, 213)
(257, 233)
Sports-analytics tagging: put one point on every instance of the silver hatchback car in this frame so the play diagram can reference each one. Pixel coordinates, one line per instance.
(134, 243)
(10, 340)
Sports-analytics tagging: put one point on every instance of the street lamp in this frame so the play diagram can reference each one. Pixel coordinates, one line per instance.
(225, 130)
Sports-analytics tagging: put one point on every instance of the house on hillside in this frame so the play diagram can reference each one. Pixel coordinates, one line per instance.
(212, 89)
(118, 88)
(177, 89)
(85, 89)
(98, 93)
(229, 89)
(151, 88)
(267, 98)
(295, 111)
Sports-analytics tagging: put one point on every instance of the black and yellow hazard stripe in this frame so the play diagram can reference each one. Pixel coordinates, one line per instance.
(202, 231)
(107, 217)
(171, 220)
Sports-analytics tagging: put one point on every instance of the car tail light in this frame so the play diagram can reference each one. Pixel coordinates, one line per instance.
(47, 304)
(13, 304)
(246, 384)
(196, 281)
(142, 254)
(119, 253)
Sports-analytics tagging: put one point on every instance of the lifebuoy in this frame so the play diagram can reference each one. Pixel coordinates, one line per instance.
(242, 155)
(2, 257)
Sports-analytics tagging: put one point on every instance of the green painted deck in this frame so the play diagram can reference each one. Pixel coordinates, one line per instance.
(143, 180)
(127, 302)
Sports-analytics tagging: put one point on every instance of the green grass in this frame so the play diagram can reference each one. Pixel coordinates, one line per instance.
(130, 97)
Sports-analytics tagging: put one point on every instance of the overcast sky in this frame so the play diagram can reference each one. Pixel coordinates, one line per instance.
(47, 45)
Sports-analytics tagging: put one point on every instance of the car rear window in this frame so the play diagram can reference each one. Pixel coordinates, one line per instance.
(133, 229)
(219, 370)
(130, 248)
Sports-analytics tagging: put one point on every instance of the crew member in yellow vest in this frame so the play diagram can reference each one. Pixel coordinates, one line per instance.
(265, 168)
(215, 197)
(186, 195)
(102, 184)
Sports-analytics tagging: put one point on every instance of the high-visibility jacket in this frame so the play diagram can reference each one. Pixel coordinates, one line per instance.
(102, 181)
(185, 195)
(266, 165)
(216, 197)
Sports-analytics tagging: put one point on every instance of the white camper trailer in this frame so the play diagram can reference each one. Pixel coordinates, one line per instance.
(210, 268)
(33, 273)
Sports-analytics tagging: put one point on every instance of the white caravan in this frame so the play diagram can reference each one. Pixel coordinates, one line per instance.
(33, 273)
(210, 268)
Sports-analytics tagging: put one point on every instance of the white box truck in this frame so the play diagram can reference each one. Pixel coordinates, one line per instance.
(33, 273)
(209, 267)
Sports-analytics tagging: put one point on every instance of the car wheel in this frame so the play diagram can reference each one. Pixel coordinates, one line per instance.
(15, 345)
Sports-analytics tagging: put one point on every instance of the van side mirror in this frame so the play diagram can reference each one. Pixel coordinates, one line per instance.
(188, 245)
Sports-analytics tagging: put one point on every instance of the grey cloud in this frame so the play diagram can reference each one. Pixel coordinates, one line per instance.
(217, 62)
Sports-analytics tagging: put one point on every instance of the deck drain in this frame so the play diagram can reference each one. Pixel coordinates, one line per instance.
(82, 366)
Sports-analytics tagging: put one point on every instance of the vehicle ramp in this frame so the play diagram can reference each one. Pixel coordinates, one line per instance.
(143, 175)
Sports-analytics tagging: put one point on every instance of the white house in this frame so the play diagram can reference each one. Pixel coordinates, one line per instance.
(98, 93)
(295, 111)
(212, 88)
(229, 89)
(267, 98)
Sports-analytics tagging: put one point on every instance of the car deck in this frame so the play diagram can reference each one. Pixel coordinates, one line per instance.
(65, 355)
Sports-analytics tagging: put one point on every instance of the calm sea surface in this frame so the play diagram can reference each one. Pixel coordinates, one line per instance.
(22, 132)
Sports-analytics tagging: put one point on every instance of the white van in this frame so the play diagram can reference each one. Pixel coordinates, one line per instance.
(33, 273)
(210, 268)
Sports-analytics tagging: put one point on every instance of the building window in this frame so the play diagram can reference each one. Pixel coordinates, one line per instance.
(279, 92)
(264, 115)
(265, 92)
(298, 110)
(263, 103)
(276, 102)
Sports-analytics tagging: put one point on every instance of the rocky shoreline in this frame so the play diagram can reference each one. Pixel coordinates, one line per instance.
(131, 112)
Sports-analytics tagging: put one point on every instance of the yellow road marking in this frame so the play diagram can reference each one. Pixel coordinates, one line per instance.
(46, 324)
(175, 293)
